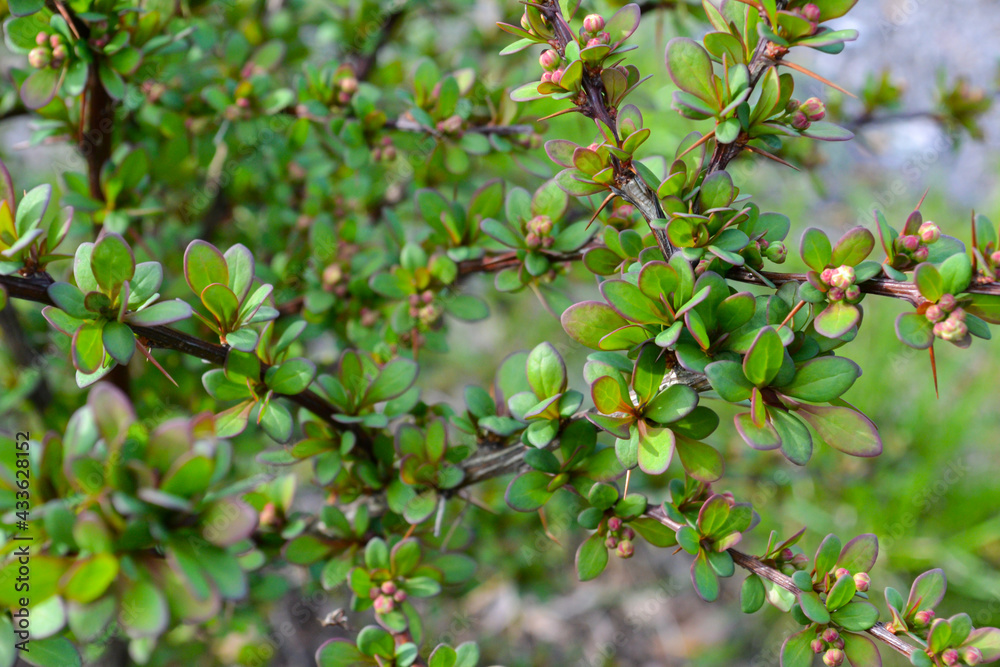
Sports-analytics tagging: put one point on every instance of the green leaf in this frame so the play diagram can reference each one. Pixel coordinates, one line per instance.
(88, 348)
(118, 340)
(841, 593)
(88, 578)
(528, 491)
(339, 653)
(764, 358)
(752, 594)
(291, 377)
(223, 304)
(650, 366)
(837, 319)
(70, 300)
(589, 321)
(690, 67)
(915, 330)
(373, 640)
(822, 379)
(591, 558)
(203, 266)
(859, 554)
(816, 249)
(700, 461)
(654, 532)
(729, 380)
(857, 616)
(926, 592)
(546, 371)
(704, 578)
(928, 280)
(844, 429)
(656, 448)
(112, 262)
(148, 613)
(796, 650)
(393, 380)
(672, 404)
(984, 306)
(861, 651)
(813, 607)
(51, 652)
(853, 247)
(164, 312)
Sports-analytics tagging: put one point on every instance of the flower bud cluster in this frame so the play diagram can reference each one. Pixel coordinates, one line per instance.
(948, 319)
(803, 114)
(423, 308)
(831, 645)
(539, 230)
(386, 597)
(840, 284)
(620, 538)
(450, 125)
(914, 246)
(51, 50)
(385, 152)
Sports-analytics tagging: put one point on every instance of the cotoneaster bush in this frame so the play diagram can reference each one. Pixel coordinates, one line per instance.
(280, 439)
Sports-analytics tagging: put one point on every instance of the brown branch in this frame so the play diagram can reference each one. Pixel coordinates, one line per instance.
(406, 124)
(753, 564)
(35, 288)
(880, 286)
(627, 183)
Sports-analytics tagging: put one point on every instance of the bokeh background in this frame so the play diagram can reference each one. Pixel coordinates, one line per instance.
(932, 497)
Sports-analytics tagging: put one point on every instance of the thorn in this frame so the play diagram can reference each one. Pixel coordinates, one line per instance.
(409, 532)
(771, 156)
(696, 144)
(677, 551)
(559, 113)
(149, 358)
(975, 243)
(921, 202)
(599, 209)
(545, 526)
(934, 372)
(628, 476)
(478, 503)
(800, 68)
(790, 315)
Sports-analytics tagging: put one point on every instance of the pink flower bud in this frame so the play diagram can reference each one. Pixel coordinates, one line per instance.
(929, 232)
(399, 596)
(55, 39)
(547, 77)
(995, 258)
(950, 657)
(349, 84)
(934, 313)
(799, 561)
(389, 588)
(852, 294)
(862, 581)
(972, 656)
(611, 542)
(594, 41)
(800, 121)
(384, 604)
(842, 572)
(923, 617)
(427, 296)
(947, 303)
(842, 277)
(614, 524)
(792, 105)
(41, 39)
(839, 643)
(958, 315)
(833, 658)
(813, 109)
(628, 533)
(59, 52)
(835, 294)
(921, 254)
(625, 549)
(557, 76)
(817, 645)
(243, 103)
(39, 57)
(532, 240)
(811, 13)
(373, 592)
(549, 60)
(787, 554)
(830, 635)
(525, 23)
(604, 37)
(909, 242)
(540, 225)
(593, 23)
(827, 276)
